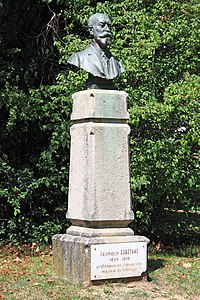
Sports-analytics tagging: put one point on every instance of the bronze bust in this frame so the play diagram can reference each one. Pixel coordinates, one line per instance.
(96, 59)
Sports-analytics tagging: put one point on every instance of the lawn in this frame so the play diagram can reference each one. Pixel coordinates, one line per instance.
(26, 273)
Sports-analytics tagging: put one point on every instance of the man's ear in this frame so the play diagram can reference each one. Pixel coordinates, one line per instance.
(91, 30)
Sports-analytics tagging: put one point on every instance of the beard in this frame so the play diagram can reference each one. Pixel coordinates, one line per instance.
(104, 40)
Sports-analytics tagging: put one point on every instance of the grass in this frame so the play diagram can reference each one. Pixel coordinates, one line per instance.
(176, 275)
(27, 274)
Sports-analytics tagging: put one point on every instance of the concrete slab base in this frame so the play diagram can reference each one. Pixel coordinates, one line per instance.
(72, 252)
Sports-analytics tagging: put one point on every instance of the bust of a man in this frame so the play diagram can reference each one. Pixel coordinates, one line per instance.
(96, 59)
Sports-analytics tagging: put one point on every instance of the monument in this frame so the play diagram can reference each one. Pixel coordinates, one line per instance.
(99, 245)
(96, 59)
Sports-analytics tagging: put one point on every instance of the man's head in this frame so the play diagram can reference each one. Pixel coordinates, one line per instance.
(99, 28)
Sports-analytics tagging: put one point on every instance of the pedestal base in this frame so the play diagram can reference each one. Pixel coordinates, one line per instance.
(86, 256)
(99, 245)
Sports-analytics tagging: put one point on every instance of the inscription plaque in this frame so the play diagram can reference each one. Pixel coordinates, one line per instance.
(118, 260)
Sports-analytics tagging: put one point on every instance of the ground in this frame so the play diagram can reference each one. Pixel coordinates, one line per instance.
(26, 273)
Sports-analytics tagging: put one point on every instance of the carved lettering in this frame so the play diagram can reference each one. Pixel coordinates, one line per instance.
(118, 260)
(129, 251)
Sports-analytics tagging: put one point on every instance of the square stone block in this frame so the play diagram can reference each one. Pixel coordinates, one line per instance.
(99, 104)
(73, 256)
(99, 189)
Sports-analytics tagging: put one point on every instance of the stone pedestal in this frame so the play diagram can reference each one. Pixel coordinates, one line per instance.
(99, 244)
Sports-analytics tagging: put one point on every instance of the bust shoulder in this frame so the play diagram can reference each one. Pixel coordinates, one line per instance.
(78, 57)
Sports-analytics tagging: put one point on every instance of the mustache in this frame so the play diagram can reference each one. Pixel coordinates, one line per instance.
(106, 34)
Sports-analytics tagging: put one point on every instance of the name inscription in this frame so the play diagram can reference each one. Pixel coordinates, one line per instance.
(123, 252)
(118, 260)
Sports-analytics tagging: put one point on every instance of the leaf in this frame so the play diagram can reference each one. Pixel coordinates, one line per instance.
(36, 284)
(131, 285)
(33, 245)
(37, 250)
(159, 246)
(182, 276)
(187, 265)
(17, 259)
(40, 273)
(168, 266)
(50, 280)
(4, 271)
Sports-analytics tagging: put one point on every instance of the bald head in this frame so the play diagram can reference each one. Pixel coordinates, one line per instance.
(94, 18)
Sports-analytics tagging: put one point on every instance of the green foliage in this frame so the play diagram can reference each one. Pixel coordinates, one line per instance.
(158, 43)
(165, 151)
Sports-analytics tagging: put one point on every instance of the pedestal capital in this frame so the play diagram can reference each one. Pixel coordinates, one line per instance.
(100, 104)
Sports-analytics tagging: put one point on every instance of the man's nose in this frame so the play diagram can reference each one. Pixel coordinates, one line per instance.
(107, 27)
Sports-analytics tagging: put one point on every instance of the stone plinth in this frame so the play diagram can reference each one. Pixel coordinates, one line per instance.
(99, 202)
(100, 104)
(99, 186)
(72, 254)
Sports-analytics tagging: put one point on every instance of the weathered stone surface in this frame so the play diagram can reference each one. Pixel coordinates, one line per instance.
(99, 203)
(111, 232)
(71, 258)
(99, 190)
(100, 104)
(72, 252)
